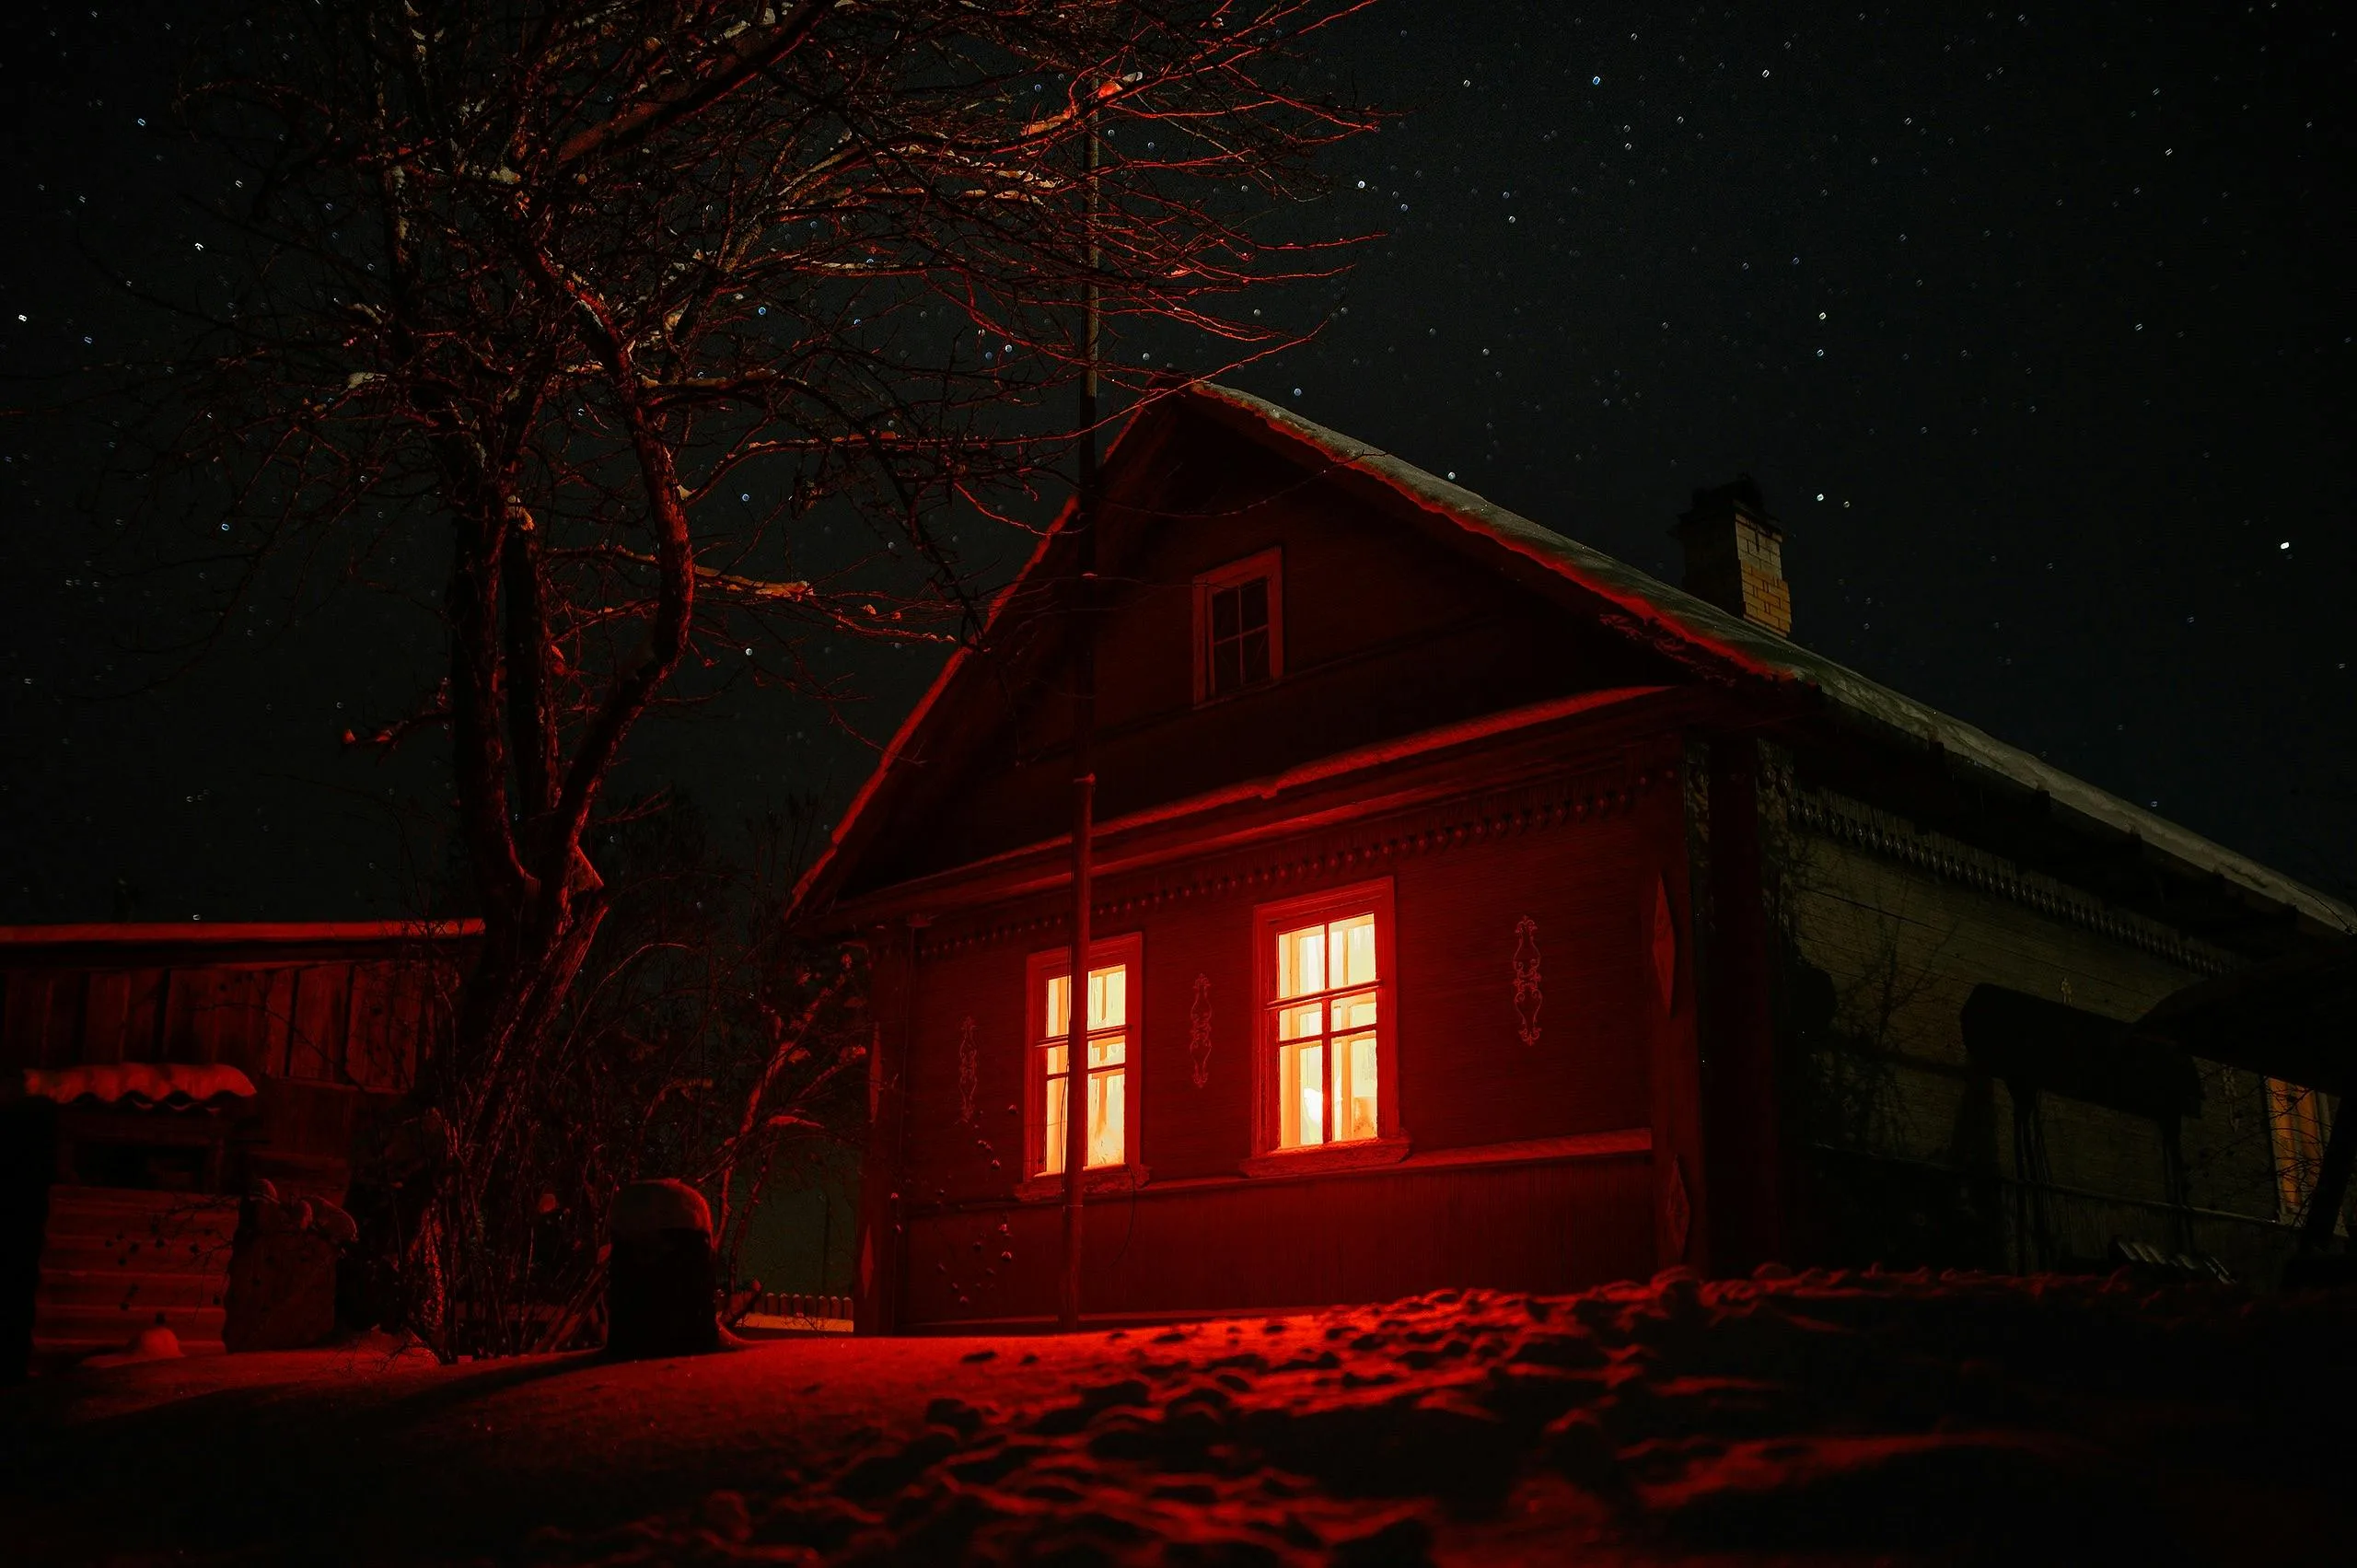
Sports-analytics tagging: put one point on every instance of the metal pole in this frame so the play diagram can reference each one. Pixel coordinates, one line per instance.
(1083, 777)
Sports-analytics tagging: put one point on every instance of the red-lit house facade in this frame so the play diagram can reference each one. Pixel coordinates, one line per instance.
(1438, 932)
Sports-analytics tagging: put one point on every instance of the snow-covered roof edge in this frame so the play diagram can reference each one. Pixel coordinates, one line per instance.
(817, 883)
(1850, 693)
(218, 934)
(170, 1085)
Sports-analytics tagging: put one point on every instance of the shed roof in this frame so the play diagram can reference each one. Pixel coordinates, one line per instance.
(2287, 1018)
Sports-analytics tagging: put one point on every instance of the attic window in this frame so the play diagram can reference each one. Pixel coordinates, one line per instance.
(1239, 626)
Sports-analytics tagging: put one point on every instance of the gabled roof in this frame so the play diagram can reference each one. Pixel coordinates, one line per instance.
(1638, 606)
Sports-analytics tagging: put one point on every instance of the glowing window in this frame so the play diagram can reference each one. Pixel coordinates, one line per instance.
(1239, 627)
(1328, 1017)
(2298, 1124)
(1111, 1005)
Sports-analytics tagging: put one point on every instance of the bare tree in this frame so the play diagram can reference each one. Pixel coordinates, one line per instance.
(705, 1041)
(631, 302)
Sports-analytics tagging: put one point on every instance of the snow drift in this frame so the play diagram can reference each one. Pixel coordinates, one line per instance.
(1911, 1417)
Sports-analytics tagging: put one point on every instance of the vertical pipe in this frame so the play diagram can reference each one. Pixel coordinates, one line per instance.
(880, 1251)
(1084, 776)
(827, 1234)
(1742, 1134)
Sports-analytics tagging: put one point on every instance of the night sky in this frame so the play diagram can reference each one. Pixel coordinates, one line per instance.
(2034, 326)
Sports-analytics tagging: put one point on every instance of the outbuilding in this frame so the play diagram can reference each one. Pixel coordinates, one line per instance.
(155, 1077)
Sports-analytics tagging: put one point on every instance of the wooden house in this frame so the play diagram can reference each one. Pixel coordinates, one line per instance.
(150, 1073)
(1472, 909)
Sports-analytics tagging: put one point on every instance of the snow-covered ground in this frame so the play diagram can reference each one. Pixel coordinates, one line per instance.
(1823, 1419)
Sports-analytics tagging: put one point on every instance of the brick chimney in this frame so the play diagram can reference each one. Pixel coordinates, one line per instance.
(1735, 554)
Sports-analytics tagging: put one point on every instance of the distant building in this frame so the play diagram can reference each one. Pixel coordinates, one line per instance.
(151, 1073)
(1474, 910)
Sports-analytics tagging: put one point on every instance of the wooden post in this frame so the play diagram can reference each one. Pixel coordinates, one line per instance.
(1742, 1105)
(1077, 1024)
(1680, 1192)
(893, 959)
(1084, 787)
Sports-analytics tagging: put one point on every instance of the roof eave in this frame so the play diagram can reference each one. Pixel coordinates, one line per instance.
(1848, 695)
(819, 884)
(1697, 632)
(932, 893)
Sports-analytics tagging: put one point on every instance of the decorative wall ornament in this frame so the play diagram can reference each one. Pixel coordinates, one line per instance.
(970, 1072)
(1528, 996)
(1664, 945)
(1198, 1030)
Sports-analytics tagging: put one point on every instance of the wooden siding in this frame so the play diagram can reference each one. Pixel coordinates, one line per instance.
(1467, 1080)
(1386, 632)
(327, 1033)
(1239, 1244)
(352, 1022)
(1810, 1087)
(114, 1263)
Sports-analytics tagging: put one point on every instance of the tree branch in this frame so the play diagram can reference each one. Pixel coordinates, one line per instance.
(756, 52)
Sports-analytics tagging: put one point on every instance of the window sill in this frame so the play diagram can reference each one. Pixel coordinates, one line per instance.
(1093, 1183)
(1329, 1157)
(1214, 699)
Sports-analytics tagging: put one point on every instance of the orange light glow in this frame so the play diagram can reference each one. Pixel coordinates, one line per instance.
(1326, 1009)
(1109, 1017)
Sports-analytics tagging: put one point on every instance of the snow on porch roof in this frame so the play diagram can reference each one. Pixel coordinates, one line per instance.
(1851, 695)
(164, 1085)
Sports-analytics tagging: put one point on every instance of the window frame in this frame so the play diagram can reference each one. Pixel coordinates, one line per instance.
(1267, 563)
(1390, 1143)
(1128, 950)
